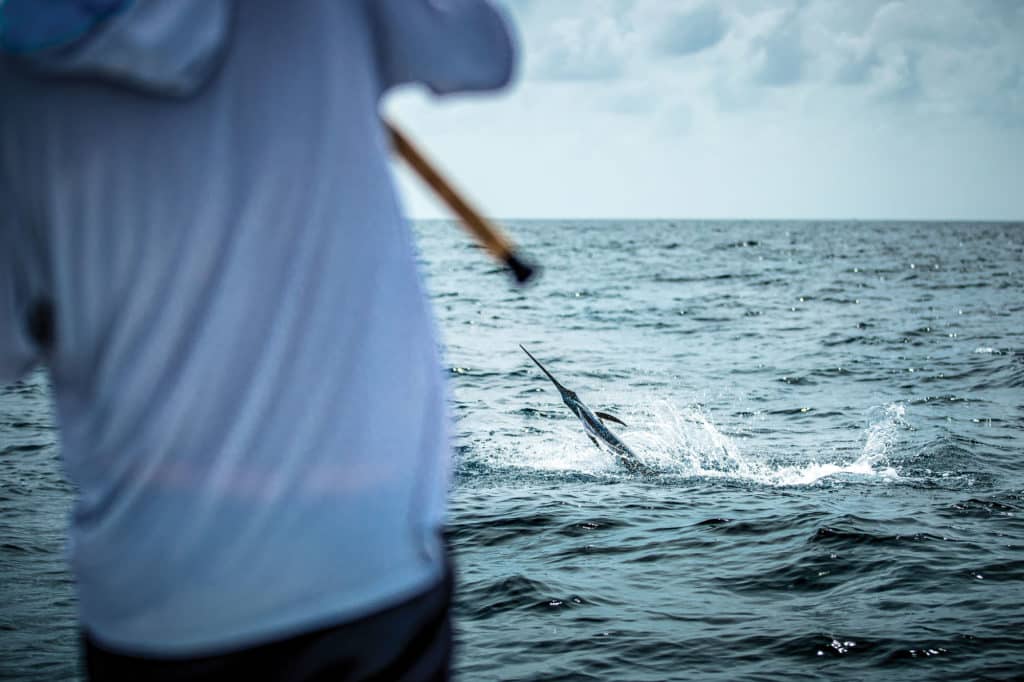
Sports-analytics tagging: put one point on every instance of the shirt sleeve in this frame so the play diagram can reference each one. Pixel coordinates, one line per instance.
(448, 45)
(18, 351)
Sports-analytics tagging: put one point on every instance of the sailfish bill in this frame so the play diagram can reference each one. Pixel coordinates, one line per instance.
(593, 424)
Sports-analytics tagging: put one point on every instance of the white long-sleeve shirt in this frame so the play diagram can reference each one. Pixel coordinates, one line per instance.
(244, 365)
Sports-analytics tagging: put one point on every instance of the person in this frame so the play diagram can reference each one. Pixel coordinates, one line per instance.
(200, 240)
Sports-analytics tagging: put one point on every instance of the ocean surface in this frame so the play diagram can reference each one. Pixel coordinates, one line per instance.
(833, 413)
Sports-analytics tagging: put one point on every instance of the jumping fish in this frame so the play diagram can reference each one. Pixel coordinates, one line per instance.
(593, 424)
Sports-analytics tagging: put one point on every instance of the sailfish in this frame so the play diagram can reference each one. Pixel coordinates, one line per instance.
(594, 424)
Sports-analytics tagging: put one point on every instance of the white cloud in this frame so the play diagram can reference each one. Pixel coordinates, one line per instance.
(751, 108)
(559, 45)
(778, 53)
(690, 32)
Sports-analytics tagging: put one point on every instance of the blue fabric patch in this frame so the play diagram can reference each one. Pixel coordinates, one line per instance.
(28, 26)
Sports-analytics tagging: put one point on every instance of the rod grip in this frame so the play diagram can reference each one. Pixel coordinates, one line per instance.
(487, 233)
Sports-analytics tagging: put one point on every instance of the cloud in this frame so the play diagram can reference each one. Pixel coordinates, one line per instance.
(940, 57)
(895, 75)
(856, 68)
(945, 60)
(581, 50)
(788, 108)
(691, 32)
(778, 54)
(569, 45)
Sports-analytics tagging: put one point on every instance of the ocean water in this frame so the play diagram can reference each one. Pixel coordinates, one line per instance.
(833, 414)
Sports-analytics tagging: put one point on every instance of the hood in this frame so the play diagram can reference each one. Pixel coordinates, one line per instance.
(169, 47)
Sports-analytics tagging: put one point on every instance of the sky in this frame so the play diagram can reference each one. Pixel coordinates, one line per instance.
(752, 109)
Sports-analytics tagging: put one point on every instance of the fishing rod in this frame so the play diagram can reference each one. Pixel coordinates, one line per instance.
(487, 233)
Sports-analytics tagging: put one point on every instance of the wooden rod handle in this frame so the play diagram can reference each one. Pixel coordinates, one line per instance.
(486, 232)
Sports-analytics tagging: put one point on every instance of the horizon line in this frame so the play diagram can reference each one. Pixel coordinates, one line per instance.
(751, 220)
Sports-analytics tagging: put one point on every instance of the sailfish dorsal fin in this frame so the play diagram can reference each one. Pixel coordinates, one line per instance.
(609, 417)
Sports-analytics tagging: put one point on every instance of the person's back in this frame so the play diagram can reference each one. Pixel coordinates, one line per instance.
(244, 365)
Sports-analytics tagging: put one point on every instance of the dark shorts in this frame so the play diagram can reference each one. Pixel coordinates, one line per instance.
(409, 642)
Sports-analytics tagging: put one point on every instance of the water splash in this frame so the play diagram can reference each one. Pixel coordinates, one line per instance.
(684, 441)
(881, 436)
